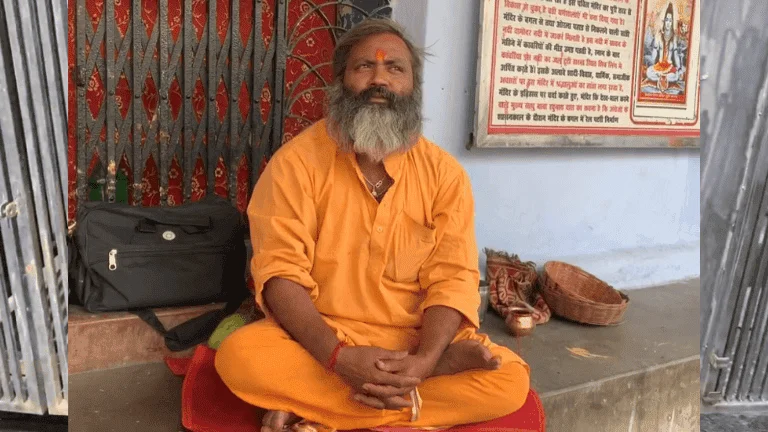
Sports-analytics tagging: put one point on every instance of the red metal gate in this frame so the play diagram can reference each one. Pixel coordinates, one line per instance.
(170, 100)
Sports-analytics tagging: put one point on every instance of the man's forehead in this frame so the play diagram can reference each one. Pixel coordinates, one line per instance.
(381, 47)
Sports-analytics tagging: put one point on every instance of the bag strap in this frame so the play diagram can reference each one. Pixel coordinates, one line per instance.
(195, 331)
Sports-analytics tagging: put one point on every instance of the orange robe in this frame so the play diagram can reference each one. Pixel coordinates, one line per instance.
(371, 269)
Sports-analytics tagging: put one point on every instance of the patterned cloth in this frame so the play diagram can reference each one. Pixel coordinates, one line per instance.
(514, 283)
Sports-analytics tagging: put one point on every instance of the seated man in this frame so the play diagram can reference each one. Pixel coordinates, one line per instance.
(366, 265)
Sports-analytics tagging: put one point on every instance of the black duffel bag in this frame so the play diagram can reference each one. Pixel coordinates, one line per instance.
(135, 258)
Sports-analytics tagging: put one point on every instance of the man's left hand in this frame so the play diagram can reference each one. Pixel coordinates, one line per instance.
(416, 366)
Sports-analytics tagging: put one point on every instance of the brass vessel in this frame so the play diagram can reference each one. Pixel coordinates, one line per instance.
(520, 322)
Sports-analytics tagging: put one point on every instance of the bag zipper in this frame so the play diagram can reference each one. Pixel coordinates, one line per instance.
(113, 260)
(112, 256)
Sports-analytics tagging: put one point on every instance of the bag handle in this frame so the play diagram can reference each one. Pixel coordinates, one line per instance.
(195, 331)
(190, 224)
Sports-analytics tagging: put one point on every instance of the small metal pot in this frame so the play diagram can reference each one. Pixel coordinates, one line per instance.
(520, 322)
(485, 296)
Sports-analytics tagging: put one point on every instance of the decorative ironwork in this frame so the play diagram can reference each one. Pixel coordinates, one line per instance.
(190, 97)
(33, 265)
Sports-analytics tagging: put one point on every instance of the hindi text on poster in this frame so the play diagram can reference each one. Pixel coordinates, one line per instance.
(601, 67)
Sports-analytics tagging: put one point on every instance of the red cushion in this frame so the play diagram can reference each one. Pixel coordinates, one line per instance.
(207, 405)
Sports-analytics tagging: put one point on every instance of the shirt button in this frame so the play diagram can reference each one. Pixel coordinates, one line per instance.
(379, 229)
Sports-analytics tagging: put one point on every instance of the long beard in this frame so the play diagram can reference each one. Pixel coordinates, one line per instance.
(375, 130)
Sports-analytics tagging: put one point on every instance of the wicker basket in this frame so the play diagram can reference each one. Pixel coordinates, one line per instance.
(579, 296)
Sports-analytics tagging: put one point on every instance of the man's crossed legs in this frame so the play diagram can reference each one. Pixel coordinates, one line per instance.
(473, 381)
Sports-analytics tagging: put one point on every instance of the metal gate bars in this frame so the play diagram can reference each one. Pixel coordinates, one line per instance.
(735, 370)
(734, 211)
(176, 99)
(33, 265)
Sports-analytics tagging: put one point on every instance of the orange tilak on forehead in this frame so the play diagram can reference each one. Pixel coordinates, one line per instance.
(380, 55)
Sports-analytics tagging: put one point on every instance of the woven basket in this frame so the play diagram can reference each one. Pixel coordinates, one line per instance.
(579, 296)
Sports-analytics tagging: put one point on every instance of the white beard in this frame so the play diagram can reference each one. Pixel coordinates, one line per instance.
(376, 132)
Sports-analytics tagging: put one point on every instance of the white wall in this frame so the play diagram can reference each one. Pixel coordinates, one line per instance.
(629, 216)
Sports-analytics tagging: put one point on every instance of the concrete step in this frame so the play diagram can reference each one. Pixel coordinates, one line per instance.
(116, 339)
(642, 375)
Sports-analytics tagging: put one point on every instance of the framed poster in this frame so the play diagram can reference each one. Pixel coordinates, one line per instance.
(588, 73)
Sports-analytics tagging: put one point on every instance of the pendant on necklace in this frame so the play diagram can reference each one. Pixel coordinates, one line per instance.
(375, 193)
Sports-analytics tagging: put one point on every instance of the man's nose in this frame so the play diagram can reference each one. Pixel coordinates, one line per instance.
(379, 78)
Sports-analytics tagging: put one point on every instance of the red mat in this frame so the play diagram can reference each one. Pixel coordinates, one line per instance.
(207, 405)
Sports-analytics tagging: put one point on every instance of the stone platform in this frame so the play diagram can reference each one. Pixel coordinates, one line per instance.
(642, 375)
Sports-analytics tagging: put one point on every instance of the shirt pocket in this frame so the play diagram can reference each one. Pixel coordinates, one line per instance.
(412, 243)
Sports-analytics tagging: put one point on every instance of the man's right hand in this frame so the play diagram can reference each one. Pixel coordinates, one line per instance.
(357, 366)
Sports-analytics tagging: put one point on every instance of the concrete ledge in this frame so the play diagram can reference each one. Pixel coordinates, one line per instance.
(642, 375)
(664, 398)
(116, 339)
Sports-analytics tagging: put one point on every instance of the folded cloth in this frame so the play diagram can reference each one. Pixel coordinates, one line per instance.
(513, 283)
(207, 405)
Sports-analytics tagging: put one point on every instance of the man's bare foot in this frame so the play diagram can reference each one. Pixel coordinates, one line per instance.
(465, 355)
(275, 421)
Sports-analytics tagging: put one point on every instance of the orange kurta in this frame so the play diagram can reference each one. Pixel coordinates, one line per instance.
(371, 270)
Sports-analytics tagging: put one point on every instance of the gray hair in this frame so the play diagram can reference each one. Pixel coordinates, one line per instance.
(372, 27)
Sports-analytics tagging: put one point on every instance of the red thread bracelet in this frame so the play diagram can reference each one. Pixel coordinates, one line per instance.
(335, 355)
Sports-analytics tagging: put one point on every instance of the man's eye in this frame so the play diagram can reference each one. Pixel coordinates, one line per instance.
(363, 66)
(397, 68)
